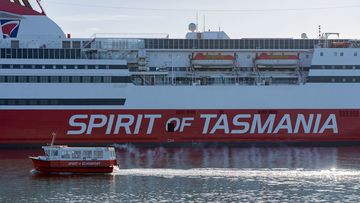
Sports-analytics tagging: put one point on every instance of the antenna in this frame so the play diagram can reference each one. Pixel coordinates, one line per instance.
(197, 21)
(204, 24)
(320, 32)
(53, 138)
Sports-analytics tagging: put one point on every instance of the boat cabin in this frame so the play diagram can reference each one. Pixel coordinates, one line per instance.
(65, 153)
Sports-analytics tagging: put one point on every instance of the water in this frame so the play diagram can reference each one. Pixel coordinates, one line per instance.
(224, 174)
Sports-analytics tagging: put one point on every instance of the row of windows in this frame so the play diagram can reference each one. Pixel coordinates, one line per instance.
(339, 54)
(40, 53)
(79, 155)
(29, 66)
(333, 79)
(65, 79)
(235, 44)
(350, 67)
(62, 102)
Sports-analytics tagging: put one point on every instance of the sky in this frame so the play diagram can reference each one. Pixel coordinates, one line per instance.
(238, 18)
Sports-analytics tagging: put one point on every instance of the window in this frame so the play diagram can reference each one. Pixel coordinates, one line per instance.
(33, 79)
(54, 79)
(57, 53)
(65, 155)
(11, 79)
(54, 152)
(107, 79)
(321, 53)
(48, 66)
(75, 79)
(87, 154)
(66, 45)
(341, 53)
(86, 79)
(76, 155)
(118, 67)
(33, 102)
(43, 79)
(46, 53)
(97, 79)
(98, 154)
(65, 79)
(76, 44)
(112, 153)
(22, 79)
(63, 102)
(355, 54)
(43, 102)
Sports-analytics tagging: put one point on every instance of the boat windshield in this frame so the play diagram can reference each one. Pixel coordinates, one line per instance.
(54, 153)
(112, 154)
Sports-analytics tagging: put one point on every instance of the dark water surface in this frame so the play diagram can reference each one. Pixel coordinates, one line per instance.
(222, 174)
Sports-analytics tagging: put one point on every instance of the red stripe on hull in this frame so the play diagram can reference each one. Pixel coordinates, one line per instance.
(74, 166)
(140, 126)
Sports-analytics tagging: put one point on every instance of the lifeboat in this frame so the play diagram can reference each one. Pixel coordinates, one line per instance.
(277, 60)
(213, 60)
(340, 45)
(64, 159)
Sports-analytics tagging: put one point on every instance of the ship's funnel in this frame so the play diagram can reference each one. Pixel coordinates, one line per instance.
(26, 19)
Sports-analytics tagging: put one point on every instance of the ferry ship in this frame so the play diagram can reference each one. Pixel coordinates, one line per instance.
(203, 88)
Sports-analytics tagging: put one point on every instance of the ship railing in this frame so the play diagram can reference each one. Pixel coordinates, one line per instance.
(355, 44)
(122, 41)
(118, 44)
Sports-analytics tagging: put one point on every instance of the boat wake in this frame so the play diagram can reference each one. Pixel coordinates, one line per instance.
(238, 173)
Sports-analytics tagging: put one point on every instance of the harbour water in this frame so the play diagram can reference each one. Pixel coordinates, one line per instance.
(194, 174)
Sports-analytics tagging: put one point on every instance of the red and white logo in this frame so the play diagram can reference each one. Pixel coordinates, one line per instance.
(10, 28)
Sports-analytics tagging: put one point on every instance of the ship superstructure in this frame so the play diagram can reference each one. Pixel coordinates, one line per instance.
(204, 88)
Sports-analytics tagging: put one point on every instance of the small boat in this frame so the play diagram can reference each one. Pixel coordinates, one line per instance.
(64, 159)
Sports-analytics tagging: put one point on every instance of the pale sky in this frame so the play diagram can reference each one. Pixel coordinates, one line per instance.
(248, 18)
